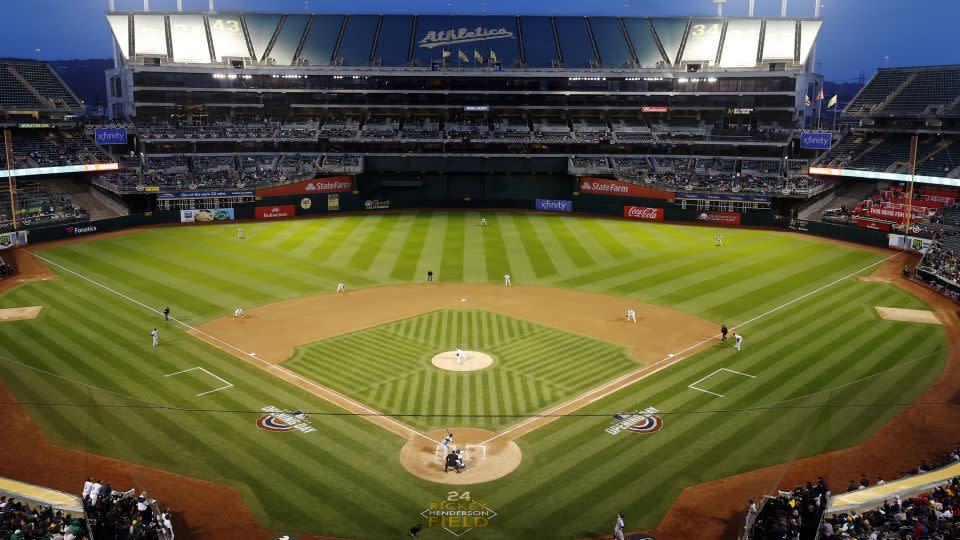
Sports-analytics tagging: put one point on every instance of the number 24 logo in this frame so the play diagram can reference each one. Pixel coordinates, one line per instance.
(457, 496)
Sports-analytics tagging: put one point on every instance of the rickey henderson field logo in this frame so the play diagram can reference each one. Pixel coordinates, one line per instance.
(458, 514)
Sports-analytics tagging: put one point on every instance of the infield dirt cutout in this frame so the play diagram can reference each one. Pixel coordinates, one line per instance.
(472, 361)
(269, 334)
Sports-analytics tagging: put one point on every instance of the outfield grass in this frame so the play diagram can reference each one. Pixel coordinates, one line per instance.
(390, 368)
(346, 479)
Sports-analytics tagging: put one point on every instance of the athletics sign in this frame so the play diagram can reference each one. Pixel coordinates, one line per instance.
(462, 35)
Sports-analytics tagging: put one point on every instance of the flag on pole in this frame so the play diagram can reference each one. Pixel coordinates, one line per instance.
(832, 102)
(806, 100)
(463, 57)
(820, 95)
(477, 56)
(446, 54)
(493, 56)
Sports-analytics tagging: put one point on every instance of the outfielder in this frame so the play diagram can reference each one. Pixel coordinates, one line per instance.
(618, 527)
(719, 241)
(341, 288)
(506, 279)
(483, 222)
(631, 315)
(240, 233)
(156, 337)
(738, 340)
(238, 313)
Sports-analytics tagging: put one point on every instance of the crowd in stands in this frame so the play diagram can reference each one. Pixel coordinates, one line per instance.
(799, 514)
(124, 515)
(57, 148)
(937, 155)
(35, 205)
(22, 521)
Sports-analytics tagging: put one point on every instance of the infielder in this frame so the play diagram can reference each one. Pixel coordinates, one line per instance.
(461, 356)
(341, 288)
(156, 337)
(719, 241)
(240, 233)
(618, 527)
(238, 313)
(506, 279)
(631, 315)
(483, 222)
(738, 340)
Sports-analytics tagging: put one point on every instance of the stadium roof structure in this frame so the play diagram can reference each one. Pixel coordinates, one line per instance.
(910, 92)
(29, 86)
(405, 42)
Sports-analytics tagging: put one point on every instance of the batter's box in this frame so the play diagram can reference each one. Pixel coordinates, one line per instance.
(224, 383)
(696, 384)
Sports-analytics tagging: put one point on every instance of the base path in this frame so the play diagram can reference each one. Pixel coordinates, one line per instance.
(472, 361)
(928, 426)
(19, 313)
(908, 315)
(484, 462)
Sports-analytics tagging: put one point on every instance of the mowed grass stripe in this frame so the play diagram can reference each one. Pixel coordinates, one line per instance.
(405, 266)
(536, 253)
(373, 242)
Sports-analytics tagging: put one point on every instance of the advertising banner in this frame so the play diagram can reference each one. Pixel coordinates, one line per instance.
(80, 229)
(205, 194)
(875, 225)
(654, 109)
(13, 239)
(206, 215)
(111, 135)
(374, 204)
(643, 213)
(604, 186)
(893, 214)
(816, 141)
(333, 202)
(720, 218)
(336, 184)
(898, 241)
(275, 212)
(553, 205)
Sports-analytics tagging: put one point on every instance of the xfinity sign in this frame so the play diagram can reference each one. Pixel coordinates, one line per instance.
(816, 141)
(111, 135)
(551, 205)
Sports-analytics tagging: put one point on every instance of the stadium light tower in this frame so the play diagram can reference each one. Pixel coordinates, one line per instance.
(719, 4)
(750, 8)
(783, 8)
(146, 5)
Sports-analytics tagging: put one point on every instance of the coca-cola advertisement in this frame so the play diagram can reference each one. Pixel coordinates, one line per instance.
(720, 218)
(643, 213)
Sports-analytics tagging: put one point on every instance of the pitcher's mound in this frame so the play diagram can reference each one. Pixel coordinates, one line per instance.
(19, 313)
(484, 462)
(908, 315)
(473, 361)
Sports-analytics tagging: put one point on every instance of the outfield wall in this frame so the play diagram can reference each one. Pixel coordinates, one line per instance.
(313, 205)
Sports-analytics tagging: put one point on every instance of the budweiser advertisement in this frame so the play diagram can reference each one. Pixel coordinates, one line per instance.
(643, 212)
(604, 186)
(875, 225)
(336, 184)
(276, 212)
(720, 218)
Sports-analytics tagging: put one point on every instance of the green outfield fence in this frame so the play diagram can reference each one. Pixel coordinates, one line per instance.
(599, 205)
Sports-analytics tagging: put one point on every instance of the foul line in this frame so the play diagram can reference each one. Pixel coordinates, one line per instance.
(227, 384)
(671, 358)
(694, 384)
(285, 371)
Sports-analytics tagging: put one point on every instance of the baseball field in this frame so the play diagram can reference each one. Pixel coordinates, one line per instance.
(324, 410)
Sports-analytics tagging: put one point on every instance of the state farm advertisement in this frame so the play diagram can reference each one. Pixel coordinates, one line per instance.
(720, 218)
(604, 186)
(276, 212)
(643, 213)
(336, 184)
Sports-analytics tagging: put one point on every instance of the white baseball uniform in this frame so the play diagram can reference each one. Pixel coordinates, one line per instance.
(739, 341)
(506, 279)
(483, 221)
(238, 313)
(239, 232)
(460, 356)
(618, 529)
(341, 287)
(446, 442)
(631, 315)
(156, 337)
(719, 241)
